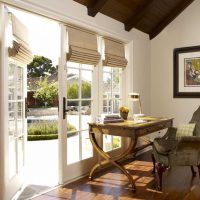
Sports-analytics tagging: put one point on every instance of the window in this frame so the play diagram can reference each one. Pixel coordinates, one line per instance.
(79, 103)
(111, 102)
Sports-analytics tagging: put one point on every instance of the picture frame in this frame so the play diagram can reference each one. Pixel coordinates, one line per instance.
(186, 77)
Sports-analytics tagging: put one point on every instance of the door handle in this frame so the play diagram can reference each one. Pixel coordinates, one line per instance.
(26, 108)
(64, 108)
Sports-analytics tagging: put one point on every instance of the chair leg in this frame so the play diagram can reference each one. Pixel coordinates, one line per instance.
(193, 172)
(154, 163)
(198, 166)
(160, 169)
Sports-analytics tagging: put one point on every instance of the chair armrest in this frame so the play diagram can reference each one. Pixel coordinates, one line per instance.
(171, 133)
(189, 143)
(187, 152)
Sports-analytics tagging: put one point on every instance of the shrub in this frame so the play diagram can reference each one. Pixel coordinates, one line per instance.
(116, 142)
(42, 137)
(43, 128)
(73, 92)
(47, 130)
(47, 92)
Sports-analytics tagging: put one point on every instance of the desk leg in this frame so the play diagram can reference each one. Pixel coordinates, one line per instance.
(115, 160)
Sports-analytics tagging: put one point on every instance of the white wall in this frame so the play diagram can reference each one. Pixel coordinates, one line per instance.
(183, 31)
(71, 12)
(141, 72)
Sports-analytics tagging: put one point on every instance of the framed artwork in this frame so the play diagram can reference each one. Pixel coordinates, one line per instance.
(187, 72)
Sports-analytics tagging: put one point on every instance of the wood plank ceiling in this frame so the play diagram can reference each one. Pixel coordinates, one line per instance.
(149, 16)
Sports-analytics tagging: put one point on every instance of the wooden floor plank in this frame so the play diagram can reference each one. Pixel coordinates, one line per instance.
(178, 184)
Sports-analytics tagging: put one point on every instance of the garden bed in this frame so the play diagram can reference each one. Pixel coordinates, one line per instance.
(47, 130)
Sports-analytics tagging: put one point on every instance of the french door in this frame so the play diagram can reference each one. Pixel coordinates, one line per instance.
(85, 91)
(16, 126)
(76, 109)
(13, 123)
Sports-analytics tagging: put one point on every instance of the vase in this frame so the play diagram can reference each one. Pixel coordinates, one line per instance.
(124, 115)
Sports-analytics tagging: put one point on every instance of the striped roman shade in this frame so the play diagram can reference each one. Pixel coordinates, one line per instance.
(82, 46)
(20, 50)
(114, 53)
(20, 53)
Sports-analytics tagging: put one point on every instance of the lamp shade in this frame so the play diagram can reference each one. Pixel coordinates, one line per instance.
(134, 96)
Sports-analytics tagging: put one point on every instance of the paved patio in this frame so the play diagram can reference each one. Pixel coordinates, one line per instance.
(42, 162)
(42, 159)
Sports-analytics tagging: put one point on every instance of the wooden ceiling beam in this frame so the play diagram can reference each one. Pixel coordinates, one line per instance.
(95, 7)
(172, 15)
(132, 21)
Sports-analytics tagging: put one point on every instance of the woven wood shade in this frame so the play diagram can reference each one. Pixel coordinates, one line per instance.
(20, 50)
(82, 46)
(114, 53)
(20, 53)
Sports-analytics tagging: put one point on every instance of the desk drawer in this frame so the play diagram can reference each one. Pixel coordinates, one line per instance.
(153, 128)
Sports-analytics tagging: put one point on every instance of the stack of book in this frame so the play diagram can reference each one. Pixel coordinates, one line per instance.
(112, 119)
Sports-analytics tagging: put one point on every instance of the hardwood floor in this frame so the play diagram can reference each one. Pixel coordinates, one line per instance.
(178, 184)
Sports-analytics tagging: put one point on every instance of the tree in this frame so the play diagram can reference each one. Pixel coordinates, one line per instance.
(47, 92)
(40, 67)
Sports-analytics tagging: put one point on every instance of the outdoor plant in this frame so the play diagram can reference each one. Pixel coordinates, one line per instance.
(47, 92)
(124, 112)
(116, 142)
(73, 92)
(46, 130)
(124, 109)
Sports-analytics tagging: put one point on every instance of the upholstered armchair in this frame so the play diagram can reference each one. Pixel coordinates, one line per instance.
(171, 150)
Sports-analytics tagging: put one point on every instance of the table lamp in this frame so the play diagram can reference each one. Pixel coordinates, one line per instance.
(135, 97)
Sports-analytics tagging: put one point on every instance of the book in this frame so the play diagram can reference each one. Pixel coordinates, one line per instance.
(112, 119)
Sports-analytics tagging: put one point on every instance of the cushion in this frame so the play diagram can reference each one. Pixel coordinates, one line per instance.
(196, 119)
(185, 130)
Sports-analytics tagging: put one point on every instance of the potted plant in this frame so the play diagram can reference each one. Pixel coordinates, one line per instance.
(124, 112)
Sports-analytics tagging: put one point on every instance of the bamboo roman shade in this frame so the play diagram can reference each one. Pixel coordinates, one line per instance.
(114, 53)
(20, 53)
(20, 49)
(82, 46)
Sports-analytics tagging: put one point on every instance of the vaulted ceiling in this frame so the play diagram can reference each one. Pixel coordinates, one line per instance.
(149, 16)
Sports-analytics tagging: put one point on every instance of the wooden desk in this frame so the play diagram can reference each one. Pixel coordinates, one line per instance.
(130, 129)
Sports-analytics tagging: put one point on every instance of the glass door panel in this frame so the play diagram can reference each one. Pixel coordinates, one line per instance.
(79, 93)
(87, 149)
(73, 147)
(20, 152)
(12, 158)
(111, 102)
(16, 118)
(86, 115)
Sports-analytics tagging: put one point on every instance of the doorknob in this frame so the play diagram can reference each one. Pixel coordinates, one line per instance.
(64, 108)
(26, 108)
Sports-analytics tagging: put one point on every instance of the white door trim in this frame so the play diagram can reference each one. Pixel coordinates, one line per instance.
(2, 101)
